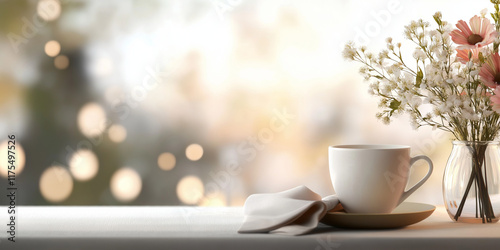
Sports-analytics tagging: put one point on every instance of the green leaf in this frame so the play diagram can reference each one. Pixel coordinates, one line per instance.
(481, 57)
(420, 76)
(394, 104)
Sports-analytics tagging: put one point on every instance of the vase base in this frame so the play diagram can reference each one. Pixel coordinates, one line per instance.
(472, 220)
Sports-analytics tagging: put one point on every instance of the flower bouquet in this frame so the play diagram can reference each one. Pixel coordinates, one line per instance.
(453, 84)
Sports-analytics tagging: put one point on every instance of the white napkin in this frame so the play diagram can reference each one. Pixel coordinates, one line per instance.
(292, 212)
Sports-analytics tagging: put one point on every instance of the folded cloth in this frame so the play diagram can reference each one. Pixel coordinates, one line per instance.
(292, 212)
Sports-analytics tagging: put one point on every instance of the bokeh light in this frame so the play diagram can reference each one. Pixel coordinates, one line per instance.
(52, 48)
(91, 119)
(61, 62)
(214, 200)
(20, 158)
(101, 66)
(126, 184)
(190, 189)
(117, 133)
(56, 184)
(83, 165)
(194, 152)
(113, 94)
(267, 88)
(166, 161)
(49, 10)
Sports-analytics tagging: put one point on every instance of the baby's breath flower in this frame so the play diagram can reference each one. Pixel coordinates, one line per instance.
(383, 54)
(414, 124)
(419, 54)
(484, 12)
(451, 88)
(349, 51)
(386, 120)
(438, 15)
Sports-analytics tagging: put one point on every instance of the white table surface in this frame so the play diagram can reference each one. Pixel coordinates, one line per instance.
(125, 227)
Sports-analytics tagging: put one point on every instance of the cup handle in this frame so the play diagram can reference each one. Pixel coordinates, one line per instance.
(421, 182)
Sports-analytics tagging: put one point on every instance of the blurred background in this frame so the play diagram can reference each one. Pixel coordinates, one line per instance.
(195, 102)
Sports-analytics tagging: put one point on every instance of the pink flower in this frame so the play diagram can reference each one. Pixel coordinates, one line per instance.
(495, 100)
(490, 71)
(481, 33)
(463, 55)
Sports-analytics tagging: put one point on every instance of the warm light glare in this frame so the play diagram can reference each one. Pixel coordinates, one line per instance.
(166, 161)
(91, 119)
(214, 200)
(190, 189)
(113, 94)
(194, 152)
(49, 10)
(19, 156)
(83, 165)
(117, 133)
(126, 184)
(56, 184)
(61, 62)
(102, 66)
(52, 48)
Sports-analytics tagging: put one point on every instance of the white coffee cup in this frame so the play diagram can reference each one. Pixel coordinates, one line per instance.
(372, 178)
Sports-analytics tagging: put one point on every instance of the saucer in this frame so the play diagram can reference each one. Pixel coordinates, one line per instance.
(405, 214)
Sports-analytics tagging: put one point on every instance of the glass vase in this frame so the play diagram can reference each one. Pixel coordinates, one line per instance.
(471, 182)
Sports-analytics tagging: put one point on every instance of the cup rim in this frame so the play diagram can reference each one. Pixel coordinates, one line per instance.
(368, 147)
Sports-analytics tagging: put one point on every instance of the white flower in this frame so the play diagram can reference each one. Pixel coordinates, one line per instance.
(408, 77)
(385, 89)
(442, 108)
(419, 54)
(449, 87)
(449, 104)
(466, 115)
(466, 103)
(434, 34)
(349, 52)
(488, 112)
(416, 101)
(497, 39)
(484, 12)
(372, 89)
(414, 125)
(396, 71)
